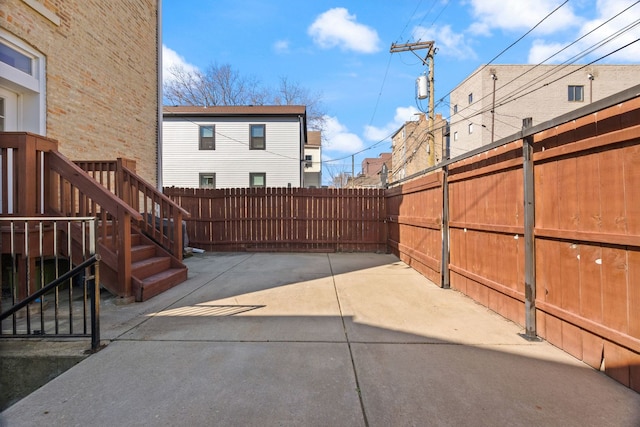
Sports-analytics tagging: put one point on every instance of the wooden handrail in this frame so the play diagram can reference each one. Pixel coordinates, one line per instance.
(156, 208)
(148, 187)
(103, 197)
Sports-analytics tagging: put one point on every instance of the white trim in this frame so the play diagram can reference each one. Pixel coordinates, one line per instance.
(42, 10)
(31, 89)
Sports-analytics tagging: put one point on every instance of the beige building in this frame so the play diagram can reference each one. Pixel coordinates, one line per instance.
(541, 92)
(411, 150)
(312, 177)
(84, 73)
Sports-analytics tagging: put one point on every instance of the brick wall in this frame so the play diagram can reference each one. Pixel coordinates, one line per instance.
(101, 66)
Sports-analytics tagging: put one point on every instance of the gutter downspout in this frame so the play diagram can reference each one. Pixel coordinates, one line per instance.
(303, 142)
(159, 126)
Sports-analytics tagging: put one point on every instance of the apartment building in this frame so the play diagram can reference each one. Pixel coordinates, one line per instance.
(491, 103)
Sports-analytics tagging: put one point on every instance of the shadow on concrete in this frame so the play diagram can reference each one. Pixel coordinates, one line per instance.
(264, 340)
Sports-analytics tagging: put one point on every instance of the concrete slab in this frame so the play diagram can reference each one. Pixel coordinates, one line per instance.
(317, 339)
(410, 308)
(200, 384)
(460, 385)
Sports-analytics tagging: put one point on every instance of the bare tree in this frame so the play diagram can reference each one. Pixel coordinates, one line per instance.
(291, 93)
(338, 175)
(218, 85)
(223, 85)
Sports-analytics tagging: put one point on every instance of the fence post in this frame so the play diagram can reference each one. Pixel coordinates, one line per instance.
(444, 270)
(529, 238)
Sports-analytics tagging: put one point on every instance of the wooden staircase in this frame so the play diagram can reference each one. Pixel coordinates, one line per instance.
(140, 233)
(153, 270)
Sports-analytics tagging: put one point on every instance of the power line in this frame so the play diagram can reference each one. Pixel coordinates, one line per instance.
(513, 44)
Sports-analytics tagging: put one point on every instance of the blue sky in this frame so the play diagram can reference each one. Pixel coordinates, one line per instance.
(340, 49)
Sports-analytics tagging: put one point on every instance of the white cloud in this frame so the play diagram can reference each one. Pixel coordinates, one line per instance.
(338, 137)
(171, 58)
(336, 27)
(543, 49)
(403, 114)
(452, 43)
(281, 46)
(519, 15)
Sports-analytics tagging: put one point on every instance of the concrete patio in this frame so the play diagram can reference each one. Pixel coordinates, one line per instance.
(257, 339)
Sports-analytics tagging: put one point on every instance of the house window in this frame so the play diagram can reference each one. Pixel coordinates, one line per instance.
(576, 93)
(208, 180)
(455, 109)
(455, 136)
(22, 85)
(257, 137)
(207, 138)
(16, 59)
(308, 161)
(470, 128)
(471, 98)
(257, 179)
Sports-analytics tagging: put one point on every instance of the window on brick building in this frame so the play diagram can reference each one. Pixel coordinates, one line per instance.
(471, 98)
(576, 93)
(470, 128)
(455, 109)
(23, 78)
(455, 136)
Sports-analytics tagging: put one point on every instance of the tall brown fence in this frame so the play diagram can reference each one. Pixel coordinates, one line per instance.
(284, 219)
(543, 228)
(576, 280)
(415, 219)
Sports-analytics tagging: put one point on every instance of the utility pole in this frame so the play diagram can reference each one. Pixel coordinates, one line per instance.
(428, 59)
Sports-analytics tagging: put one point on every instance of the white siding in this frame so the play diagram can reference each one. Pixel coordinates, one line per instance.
(232, 161)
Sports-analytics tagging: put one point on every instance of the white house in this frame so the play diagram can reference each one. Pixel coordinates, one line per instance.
(234, 146)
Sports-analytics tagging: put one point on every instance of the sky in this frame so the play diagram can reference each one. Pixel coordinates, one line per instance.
(340, 51)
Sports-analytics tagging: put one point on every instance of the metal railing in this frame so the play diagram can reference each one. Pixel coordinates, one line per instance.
(41, 250)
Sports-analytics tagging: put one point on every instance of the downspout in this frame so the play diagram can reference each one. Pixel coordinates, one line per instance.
(159, 126)
(303, 142)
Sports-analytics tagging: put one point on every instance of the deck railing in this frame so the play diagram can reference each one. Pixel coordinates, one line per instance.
(159, 213)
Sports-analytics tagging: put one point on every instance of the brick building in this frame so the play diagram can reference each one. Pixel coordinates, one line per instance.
(84, 72)
(410, 146)
(541, 92)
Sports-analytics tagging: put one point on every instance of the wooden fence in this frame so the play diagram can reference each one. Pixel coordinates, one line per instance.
(284, 219)
(576, 196)
(543, 228)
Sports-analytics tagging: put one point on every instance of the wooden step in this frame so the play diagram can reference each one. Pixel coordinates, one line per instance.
(150, 266)
(157, 283)
(142, 252)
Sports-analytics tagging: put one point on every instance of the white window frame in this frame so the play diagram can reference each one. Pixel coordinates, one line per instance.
(253, 175)
(31, 88)
(202, 175)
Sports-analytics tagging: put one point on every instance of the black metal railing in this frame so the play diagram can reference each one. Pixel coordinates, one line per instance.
(34, 249)
(92, 291)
